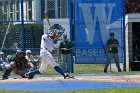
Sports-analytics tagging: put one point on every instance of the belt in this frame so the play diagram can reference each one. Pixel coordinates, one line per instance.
(47, 49)
(44, 48)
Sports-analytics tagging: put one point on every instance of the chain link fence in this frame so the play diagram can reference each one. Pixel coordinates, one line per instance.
(22, 28)
(22, 24)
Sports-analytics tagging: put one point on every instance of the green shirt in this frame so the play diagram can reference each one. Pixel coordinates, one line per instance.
(65, 44)
(11, 58)
(114, 49)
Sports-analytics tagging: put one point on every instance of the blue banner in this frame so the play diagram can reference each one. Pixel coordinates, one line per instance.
(94, 20)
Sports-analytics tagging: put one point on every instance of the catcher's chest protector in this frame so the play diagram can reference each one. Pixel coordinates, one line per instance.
(20, 63)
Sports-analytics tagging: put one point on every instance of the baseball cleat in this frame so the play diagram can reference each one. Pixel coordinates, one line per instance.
(4, 77)
(105, 71)
(68, 76)
(119, 70)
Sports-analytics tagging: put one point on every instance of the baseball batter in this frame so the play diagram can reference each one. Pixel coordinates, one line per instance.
(47, 44)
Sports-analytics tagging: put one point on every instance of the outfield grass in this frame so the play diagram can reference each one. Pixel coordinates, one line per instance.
(86, 69)
(116, 90)
(80, 69)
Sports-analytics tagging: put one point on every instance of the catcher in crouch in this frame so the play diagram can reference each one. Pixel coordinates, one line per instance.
(18, 64)
(47, 44)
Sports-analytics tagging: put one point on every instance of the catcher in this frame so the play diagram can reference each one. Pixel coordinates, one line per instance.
(18, 64)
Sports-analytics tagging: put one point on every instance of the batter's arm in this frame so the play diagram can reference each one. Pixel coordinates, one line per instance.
(47, 18)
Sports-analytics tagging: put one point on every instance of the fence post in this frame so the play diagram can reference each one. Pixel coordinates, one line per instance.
(70, 20)
(124, 65)
(22, 26)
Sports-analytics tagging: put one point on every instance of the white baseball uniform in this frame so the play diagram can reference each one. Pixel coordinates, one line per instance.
(47, 45)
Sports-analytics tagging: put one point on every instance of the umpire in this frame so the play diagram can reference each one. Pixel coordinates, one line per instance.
(18, 64)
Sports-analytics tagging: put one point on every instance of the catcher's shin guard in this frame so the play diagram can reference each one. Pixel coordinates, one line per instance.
(6, 73)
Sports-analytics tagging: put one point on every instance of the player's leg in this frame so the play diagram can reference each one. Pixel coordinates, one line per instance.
(6, 73)
(8, 70)
(63, 65)
(42, 69)
(68, 59)
(116, 59)
(60, 71)
(3, 66)
(43, 65)
(52, 62)
(68, 73)
(21, 72)
(50, 59)
(109, 58)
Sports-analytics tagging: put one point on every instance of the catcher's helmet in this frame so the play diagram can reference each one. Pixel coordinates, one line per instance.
(20, 52)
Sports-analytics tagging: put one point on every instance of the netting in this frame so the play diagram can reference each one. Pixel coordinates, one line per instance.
(22, 23)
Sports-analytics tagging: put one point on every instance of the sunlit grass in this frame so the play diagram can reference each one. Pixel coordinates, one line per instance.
(115, 90)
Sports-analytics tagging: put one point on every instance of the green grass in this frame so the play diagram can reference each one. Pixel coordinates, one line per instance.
(79, 69)
(86, 69)
(116, 90)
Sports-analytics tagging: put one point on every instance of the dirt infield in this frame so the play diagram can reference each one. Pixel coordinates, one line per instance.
(115, 78)
(97, 78)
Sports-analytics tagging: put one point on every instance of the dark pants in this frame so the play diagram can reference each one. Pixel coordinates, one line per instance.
(110, 56)
(65, 62)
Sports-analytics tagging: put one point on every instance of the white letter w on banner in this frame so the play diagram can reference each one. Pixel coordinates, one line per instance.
(100, 14)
